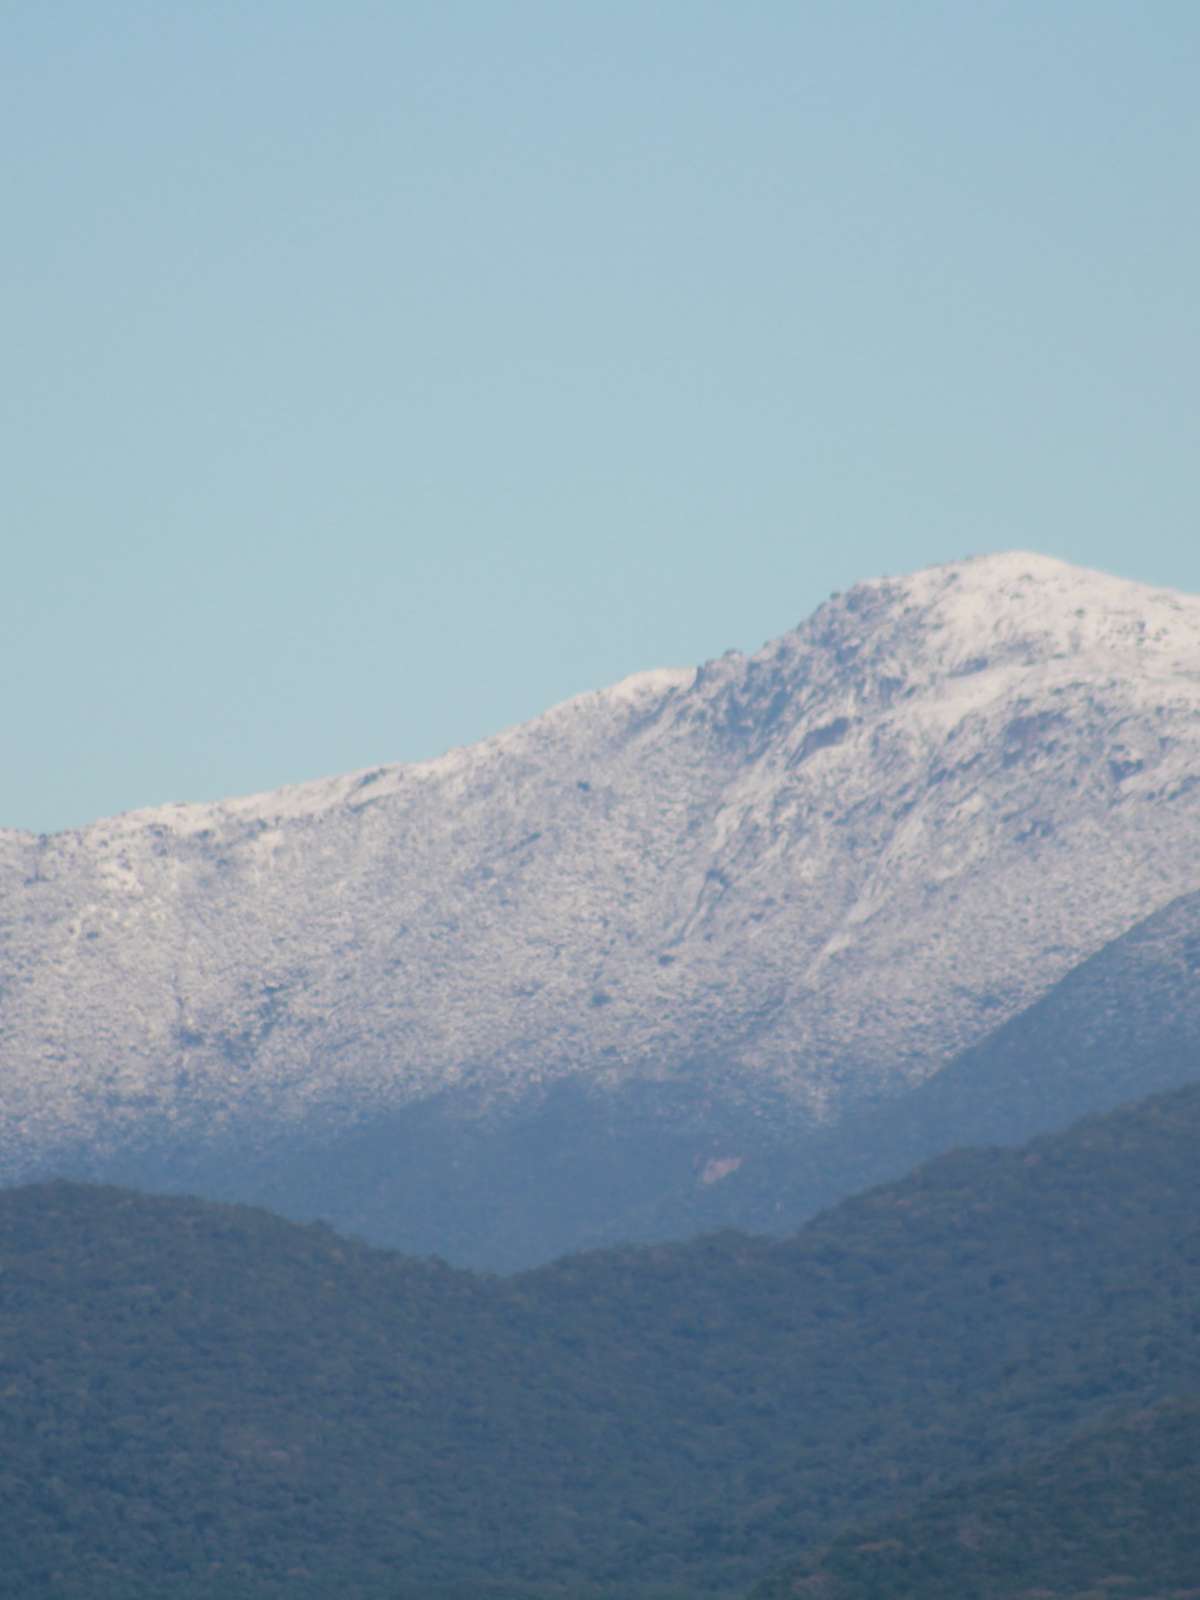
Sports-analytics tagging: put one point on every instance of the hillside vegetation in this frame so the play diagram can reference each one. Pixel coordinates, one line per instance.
(1112, 1513)
(211, 1401)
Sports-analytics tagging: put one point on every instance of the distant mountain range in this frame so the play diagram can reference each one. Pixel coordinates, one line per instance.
(712, 945)
(215, 1404)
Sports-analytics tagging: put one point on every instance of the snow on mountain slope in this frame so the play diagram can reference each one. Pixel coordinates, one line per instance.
(822, 868)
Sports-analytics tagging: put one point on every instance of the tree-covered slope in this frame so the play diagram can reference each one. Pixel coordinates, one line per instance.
(211, 1400)
(1115, 1512)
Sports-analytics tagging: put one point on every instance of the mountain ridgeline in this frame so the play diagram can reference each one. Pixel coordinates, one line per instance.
(709, 947)
(210, 1401)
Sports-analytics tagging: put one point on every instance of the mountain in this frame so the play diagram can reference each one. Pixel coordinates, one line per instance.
(1124, 1023)
(208, 1401)
(642, 1162)
(1113, 1511)
(666, 922)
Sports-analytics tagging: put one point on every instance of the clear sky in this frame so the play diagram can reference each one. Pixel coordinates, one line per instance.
(376, 375)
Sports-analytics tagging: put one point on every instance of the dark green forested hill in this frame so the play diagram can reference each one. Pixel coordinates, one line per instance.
(1115, 1512)
(207, 1401)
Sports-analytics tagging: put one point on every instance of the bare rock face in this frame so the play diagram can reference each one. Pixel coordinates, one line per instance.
(819, 872)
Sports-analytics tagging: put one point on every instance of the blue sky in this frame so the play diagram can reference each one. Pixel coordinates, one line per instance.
(377, 375)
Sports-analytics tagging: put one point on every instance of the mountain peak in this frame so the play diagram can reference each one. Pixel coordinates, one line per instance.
(1014, 610)
(811, 874)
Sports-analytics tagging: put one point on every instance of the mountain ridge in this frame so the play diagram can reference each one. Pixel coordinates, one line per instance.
(962, 659)
(804, 877)
(213, 1398)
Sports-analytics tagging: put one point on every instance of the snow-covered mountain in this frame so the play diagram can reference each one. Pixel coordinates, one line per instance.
(806, 877)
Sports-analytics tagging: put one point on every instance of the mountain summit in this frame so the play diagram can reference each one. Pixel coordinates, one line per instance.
(800, 879)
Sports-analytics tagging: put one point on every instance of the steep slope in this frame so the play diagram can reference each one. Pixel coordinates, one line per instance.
(790, 882)
(212, 1402)
(1124, 1023)
(576, 1167)
(1112, 1511)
